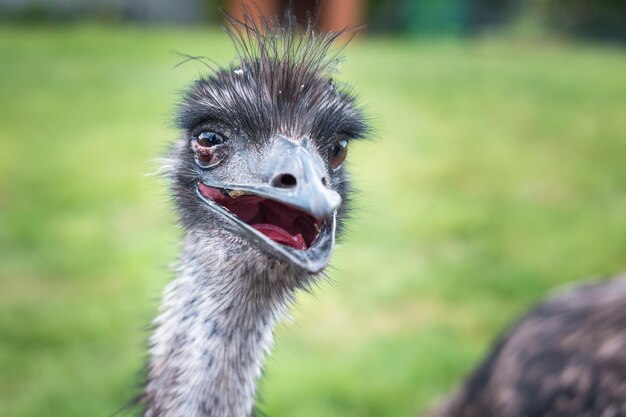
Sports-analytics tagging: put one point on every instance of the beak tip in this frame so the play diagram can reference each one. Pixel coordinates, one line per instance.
(331, 205)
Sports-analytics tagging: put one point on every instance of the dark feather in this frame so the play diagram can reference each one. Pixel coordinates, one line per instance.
(281, 83)
(566, 358)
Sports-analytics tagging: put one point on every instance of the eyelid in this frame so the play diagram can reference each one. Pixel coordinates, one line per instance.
(194, 133)
(197, 131)
(339, 139)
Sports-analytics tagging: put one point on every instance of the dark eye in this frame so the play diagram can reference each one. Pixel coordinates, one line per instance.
(203, 145)
(208, 139)
(337, 153)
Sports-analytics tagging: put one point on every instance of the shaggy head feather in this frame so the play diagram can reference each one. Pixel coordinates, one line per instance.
(280, 84)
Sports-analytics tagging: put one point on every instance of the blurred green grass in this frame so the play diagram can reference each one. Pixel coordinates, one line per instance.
(498, 175)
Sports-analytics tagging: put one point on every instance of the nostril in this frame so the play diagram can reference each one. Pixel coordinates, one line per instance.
(284, 181)
(324, 181)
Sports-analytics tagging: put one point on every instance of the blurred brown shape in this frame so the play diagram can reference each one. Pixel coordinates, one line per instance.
(257, 8)
(335, 15)
(344, 14)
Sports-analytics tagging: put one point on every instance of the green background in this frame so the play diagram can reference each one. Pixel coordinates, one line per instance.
(498, 174)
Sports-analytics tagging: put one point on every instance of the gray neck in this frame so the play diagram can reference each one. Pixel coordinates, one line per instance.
(213, 331)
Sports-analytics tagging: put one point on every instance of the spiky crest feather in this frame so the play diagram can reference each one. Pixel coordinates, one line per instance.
(281, 83)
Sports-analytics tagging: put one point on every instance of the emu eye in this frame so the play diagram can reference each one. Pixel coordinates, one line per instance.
(337, 153)
(208, 139)
(203, 145)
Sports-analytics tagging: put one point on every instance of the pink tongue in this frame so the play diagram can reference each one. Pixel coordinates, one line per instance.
(280, 235)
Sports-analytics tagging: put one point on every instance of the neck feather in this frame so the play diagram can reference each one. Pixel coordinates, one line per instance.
(214, 328)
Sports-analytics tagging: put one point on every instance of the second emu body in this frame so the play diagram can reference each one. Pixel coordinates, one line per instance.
(564, 358)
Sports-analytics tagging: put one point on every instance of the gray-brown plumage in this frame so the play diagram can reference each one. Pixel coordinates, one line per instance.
(259, 183)
(565, 358)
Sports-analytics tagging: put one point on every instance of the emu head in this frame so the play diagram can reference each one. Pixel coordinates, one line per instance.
(261, 159)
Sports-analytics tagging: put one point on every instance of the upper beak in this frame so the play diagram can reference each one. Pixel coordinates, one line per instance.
(293, 175)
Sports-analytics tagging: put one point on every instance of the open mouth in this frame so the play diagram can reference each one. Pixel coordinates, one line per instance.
(281, 223)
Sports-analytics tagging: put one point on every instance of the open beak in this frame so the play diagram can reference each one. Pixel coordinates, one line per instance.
(291, 213)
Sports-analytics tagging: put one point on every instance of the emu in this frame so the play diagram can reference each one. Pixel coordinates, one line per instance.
(564, 358)
(261, 192)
